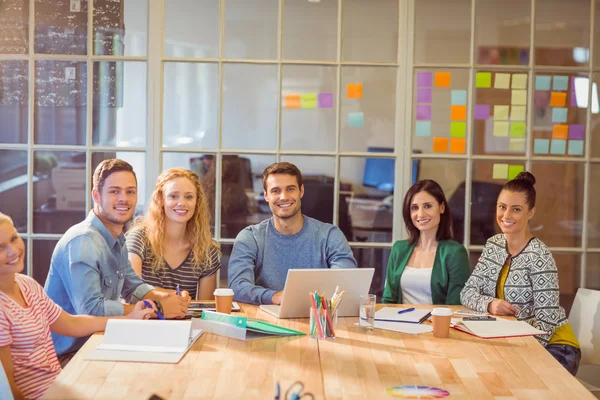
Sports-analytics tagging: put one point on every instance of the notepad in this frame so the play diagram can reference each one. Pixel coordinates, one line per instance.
(145, 341)
(499, 328)
(416, 316)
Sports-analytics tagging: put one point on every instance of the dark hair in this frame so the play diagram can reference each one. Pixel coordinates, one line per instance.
(108, 167)
(282, 168)
(523, 183)
(444, 231)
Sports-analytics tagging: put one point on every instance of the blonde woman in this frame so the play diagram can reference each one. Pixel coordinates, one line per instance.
(172, 246)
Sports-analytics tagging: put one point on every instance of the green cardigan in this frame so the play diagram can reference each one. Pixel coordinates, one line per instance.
(450, 272)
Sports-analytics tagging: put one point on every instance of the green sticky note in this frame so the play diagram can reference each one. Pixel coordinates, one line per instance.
(500, 171)
(500, 113)
(516, 144)
(483, 80)
(514, 170)
(517, 129)
(308, 100)
(500, 128)
(458, 129)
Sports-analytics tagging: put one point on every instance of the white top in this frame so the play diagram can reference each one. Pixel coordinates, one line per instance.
(415, 284)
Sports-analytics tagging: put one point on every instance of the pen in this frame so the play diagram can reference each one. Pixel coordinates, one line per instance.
(177, 290)
(147, 304)
(406, 310)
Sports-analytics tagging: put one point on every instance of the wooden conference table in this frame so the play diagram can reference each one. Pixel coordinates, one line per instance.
(355, 365)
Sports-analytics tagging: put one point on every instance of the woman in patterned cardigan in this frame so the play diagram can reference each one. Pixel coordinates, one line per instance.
(516, 275)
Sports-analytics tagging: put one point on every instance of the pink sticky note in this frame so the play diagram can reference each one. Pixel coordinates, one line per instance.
(424, 95)
(482, 111)
(325, 100)
(424, 79)
(576, 132)
(423, 113)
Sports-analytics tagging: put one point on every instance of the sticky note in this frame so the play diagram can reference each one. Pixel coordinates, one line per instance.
(542, 82)
(459, 97)
(519, 81)
(483, 80)
(458, 129)
(500, 171)
(559, 114)
(356, 119)
(517, 129)
(458, 146)
(575, 147)
(558, 99)
(541, 146)
(440, 145)
(558, 146)
(516, 144)
(573, 93)
(560, 131)
(518, 113)
(500, 128)
(423, 128)
(482, 111)
(423, 113)
(354, 91)
(424, 79)
(576, 131)
(502, 81)
(325, 100)
(442, 79)
(458, 113)
(500, 113)
(424, 95)
(292, 101)
(560, 83)
(308, 100)
(514, 170)
(519, 97)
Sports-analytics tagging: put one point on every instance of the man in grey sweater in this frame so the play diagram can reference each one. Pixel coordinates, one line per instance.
(263, 253)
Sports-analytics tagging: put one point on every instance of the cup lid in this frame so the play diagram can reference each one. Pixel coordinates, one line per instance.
(441, 312)
(223, 292)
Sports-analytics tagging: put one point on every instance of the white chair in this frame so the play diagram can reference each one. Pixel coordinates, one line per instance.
(585, 320)
(5, 391)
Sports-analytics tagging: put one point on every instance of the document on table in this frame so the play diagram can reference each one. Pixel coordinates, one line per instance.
(499, 328)
(403, 327)
(416, 316)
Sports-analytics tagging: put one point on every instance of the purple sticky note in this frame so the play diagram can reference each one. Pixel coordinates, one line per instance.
(424, 95)
(482, 111)
(573, 95)
(424, 79)
(325, 100)
(576, 132)
(423, 113)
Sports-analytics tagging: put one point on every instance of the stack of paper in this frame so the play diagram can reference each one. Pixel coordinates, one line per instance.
(497, 329)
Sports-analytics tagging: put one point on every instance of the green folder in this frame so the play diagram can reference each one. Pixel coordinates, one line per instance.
(242, 327)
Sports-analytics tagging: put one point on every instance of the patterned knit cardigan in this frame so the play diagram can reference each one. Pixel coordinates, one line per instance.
(531, 285)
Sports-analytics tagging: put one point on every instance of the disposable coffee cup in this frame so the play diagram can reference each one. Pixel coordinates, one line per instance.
(441, 322)
(224, 300)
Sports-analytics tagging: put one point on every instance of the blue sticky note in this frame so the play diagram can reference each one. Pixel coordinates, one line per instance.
(560, 83)
(575, 147)
(559, 114)
(541, 146)
(423, 128)
(542, 82)
(356, 119)
(558, 146)
(459, 97)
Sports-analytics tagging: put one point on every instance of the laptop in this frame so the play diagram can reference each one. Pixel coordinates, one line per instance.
(295, 302)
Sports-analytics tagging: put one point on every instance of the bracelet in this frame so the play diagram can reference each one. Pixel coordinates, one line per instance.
(159, 307)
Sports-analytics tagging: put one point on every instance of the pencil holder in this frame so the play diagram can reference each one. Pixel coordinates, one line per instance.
(323, 323)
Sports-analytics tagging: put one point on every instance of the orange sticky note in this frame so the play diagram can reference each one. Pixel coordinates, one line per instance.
(442, 79)
(292, 101)
(458, 113)
(440, 145)
(354, 91)
(458, 145)
(560, 132)
(558, 99)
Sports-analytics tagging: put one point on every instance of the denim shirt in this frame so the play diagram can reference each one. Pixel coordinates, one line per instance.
(89, 273)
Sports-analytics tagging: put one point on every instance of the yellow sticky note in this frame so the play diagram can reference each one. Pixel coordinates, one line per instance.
(519, 97)
(500, 113)
(502, 81)
(519, 81)
(516, 144)
(500, 171)
(500, 128)
(518, 113)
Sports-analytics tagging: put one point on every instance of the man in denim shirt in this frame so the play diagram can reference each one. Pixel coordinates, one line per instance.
(90, 271)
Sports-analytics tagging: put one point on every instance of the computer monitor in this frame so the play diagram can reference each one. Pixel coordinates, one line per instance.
(379, 172)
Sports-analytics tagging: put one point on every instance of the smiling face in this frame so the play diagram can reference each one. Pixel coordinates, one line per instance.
(180, 199)
(12, 249)
(115, 204)
(512, 212)
(283, 195)
(425, 211)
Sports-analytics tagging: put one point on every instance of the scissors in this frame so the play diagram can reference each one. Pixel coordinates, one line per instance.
(295, 392)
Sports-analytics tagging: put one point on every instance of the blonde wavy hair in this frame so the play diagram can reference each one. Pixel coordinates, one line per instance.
(197, 229)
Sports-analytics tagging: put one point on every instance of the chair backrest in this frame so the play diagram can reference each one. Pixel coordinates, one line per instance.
(5, 391)
(585, 320)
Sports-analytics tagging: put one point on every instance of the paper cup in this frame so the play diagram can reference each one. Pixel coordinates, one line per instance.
(223, 300)
(441, 322)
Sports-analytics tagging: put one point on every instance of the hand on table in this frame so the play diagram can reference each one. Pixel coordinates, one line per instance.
(501, 307)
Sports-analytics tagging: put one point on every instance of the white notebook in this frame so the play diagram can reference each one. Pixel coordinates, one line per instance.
(499, 328)
(394, 314)
(145, 341)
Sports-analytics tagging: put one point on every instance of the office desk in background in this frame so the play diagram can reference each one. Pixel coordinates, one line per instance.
(355, 365)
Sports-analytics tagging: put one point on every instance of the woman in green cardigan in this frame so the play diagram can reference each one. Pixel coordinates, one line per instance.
(429, 267)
